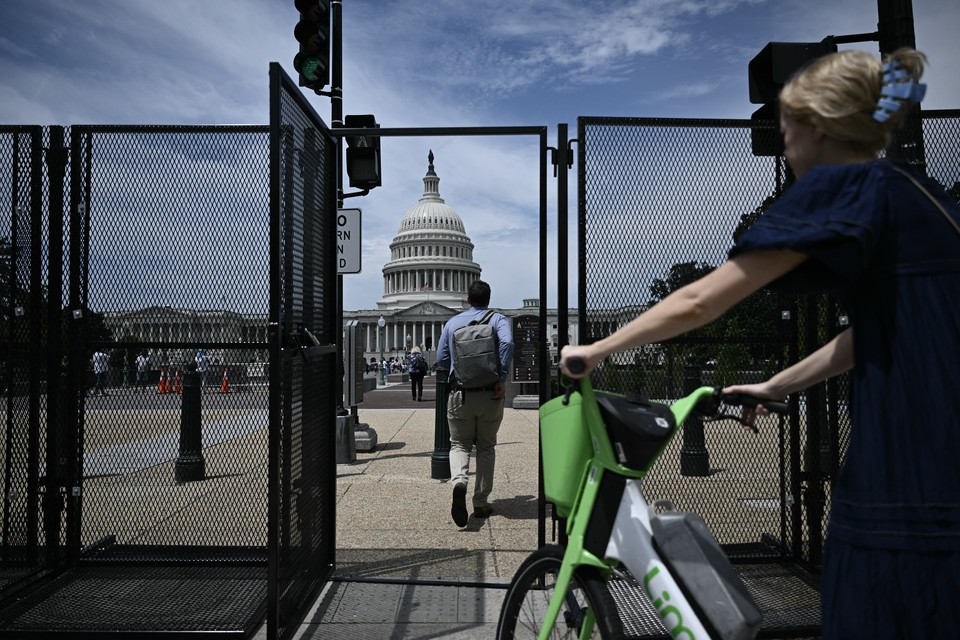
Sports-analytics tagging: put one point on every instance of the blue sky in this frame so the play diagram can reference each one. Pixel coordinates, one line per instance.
(430, 64)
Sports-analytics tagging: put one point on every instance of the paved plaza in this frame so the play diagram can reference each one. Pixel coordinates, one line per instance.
(404, 570)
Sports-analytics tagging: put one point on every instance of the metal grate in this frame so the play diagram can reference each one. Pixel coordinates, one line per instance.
(126, 599)
(32, 528)
(785, 597)
(164, 241)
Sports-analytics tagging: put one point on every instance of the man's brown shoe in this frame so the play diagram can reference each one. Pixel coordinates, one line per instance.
(483, 512)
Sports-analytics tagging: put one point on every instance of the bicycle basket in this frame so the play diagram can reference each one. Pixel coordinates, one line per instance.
(565, 449)
(638, 429)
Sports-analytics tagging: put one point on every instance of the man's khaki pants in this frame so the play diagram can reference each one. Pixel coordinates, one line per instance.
(474, 418)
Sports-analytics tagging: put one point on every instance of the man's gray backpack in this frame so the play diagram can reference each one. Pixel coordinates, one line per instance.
(476, 353)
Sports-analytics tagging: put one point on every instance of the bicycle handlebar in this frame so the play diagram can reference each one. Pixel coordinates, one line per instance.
(746, 400)
(578, 365)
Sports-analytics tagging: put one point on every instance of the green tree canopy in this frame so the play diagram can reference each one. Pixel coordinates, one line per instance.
(739, 338)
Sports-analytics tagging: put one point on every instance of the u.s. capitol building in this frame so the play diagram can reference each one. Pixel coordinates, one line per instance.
(425, 283)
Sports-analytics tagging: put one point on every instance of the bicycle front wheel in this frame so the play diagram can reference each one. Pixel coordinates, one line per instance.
(525, 605)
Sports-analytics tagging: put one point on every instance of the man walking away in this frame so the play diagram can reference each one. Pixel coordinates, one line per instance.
(475, 403)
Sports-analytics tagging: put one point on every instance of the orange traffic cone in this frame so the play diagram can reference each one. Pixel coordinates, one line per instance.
(177, 388)
(162, 387)
(224, 387)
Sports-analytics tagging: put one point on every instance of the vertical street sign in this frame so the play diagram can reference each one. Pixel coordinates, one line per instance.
(348, 241)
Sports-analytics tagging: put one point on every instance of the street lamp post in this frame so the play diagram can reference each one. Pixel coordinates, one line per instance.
(381, 323)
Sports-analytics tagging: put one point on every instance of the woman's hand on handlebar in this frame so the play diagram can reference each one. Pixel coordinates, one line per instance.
(577, 361)
(761, 390)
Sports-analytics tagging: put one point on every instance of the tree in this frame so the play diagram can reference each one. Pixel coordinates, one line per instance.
(747, 219)
(680, 275)
(737, 340)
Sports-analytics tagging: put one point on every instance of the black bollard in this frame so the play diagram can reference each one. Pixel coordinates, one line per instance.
(190, 465)
(694, 457)
(440, 460)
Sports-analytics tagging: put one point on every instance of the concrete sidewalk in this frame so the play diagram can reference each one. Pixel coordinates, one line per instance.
(404, 569)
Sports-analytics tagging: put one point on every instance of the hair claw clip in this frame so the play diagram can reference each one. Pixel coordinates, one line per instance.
(897, 86)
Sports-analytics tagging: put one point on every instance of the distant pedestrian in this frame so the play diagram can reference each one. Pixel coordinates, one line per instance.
(143, 368)
(418, 369)
(101, 366)
(203, 367)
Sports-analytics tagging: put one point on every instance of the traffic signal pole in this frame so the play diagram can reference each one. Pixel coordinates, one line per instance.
(896, 30)
(336, 120)
(895, 25)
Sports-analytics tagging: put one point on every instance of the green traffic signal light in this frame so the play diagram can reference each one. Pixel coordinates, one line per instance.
(313, 34)
(310, 66)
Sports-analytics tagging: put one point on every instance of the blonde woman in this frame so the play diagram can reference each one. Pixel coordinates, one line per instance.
(859, 227)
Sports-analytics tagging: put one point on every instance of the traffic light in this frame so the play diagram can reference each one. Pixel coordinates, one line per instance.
(313, 34)
(765, 136)
(768, 72)
(363, 153)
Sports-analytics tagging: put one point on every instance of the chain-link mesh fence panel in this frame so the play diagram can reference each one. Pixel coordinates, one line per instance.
(941, 140)
(174, 231)
(303, 389)
(661, 201)
(23, 322)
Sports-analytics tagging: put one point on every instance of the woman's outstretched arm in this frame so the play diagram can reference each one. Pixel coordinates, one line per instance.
(691, 306)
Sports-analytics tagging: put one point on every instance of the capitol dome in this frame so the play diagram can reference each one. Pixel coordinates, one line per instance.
(431, 257)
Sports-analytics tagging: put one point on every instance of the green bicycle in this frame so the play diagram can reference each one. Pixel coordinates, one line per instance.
(595, 447)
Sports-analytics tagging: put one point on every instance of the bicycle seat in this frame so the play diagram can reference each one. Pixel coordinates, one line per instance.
(638, 428)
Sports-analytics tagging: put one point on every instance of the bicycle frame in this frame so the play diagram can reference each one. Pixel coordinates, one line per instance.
(631, 537)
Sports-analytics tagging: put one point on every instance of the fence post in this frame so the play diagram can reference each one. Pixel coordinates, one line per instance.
(190, 464)
(440, 460)
(694, 457)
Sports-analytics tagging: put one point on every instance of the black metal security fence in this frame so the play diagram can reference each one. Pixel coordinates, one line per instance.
(303, 389)
(941, 144)
(28, 544)
(660, 202)
(165, 452)
(133, 248)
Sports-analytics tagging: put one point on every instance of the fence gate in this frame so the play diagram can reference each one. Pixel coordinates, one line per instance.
(188, 489)
(659, 201)
(303, 393)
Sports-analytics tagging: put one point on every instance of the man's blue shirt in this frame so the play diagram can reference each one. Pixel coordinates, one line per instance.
(501, 325)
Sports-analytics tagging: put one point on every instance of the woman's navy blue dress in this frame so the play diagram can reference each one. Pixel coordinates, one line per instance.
(892, 561)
